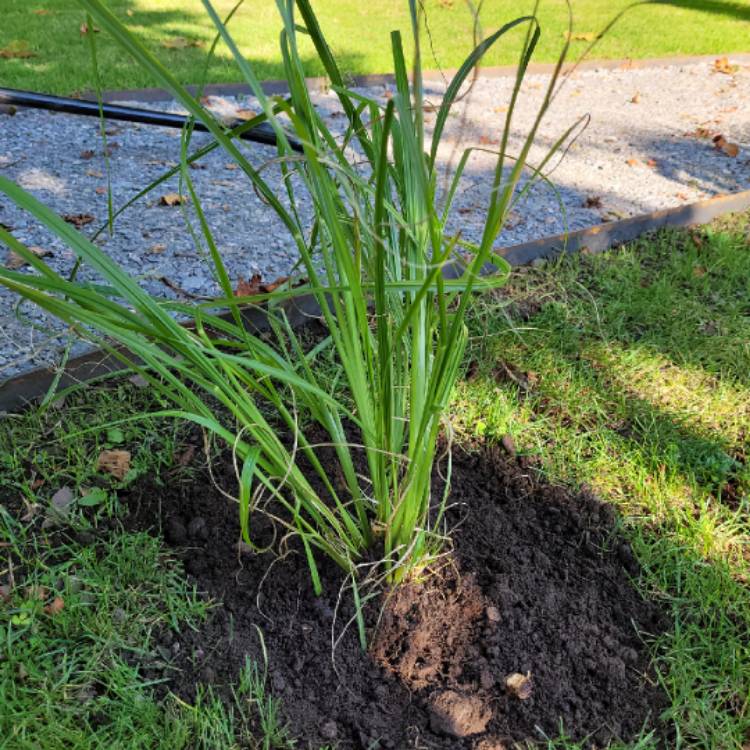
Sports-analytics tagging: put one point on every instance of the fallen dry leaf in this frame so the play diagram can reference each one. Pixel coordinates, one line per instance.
(84, 29)
(87, 154)
(16, 50)
(578, 36)
(181, 42)
(635, 98)
(231, 166)
(245, 114)
(592, 201)
(78, 220)
(632, 162)
(158, 248)
(682, 196)
(725, 146)
(55, 606)
(93, 173)
(722, 65)
(173, 199)
(651, 164)
(699, 271)
(700, 132)
(255, 286)
(41, 12)
(101, 190)
(486, 140)
(14, 261)
(114, 462)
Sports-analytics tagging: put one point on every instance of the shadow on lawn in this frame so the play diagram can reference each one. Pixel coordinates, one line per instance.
(623, 358)
(739, 11)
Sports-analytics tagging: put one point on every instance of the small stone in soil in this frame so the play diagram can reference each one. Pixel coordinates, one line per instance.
(174, 531)
(329, 730)
(458, 714)
(197, 529)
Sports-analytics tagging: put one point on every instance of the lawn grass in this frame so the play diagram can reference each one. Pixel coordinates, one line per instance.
(358, 32)
(628, 373)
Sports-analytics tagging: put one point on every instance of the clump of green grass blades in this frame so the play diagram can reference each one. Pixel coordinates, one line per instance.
(373, 257)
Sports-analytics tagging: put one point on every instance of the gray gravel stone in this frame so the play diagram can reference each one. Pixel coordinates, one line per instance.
(639, 153)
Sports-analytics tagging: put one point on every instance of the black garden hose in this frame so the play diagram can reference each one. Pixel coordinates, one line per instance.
(262, 133)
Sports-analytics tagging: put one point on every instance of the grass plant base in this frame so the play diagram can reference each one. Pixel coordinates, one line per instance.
(539, 584)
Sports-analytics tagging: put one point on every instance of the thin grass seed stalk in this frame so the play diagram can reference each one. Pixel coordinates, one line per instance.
(373, 257)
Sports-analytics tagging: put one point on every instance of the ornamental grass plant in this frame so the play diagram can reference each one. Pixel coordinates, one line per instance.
(373, 256)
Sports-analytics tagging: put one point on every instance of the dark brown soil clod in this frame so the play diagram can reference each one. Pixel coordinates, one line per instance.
(539, 583)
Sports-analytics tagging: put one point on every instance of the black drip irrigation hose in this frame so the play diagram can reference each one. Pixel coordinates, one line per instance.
(262, 133)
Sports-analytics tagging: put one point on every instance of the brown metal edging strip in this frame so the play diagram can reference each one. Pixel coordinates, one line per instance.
(22, 389)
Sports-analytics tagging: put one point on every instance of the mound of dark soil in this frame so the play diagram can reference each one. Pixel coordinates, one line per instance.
(532, 624)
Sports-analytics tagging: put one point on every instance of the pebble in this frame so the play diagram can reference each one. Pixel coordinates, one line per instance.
(638, 154)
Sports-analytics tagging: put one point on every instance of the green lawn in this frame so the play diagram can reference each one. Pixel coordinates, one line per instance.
(49, 30)
(627, 372)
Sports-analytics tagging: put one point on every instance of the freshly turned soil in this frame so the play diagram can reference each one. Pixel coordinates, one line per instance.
(538, 586)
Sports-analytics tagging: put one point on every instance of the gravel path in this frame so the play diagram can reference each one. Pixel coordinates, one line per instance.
(648, 146)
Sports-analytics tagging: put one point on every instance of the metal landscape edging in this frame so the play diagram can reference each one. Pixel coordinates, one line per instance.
(20, 390)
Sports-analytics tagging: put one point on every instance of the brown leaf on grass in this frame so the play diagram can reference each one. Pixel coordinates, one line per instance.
(114, 462)
(173, 199)
(41, 12)
(726, 147)
(84, 29)
(592, 201)
(18, 49)
(78, 220)
(55, 606)
(181, 42)
(699, 271)
(578, 36)
(14, 261)
(255, 285)
(722, 65)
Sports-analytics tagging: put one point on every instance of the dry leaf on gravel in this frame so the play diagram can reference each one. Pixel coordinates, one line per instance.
(722, 65)
(635, 98)
(158, 248)
(651, 164)
(245, 114)
(726, 147)
(14, 261)
(181, 42)
(101, 190)
(114, 462)
(255, 286)
(78, 220)
(87, 154)
(632, 162)
(16, 50)
(173, 199)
